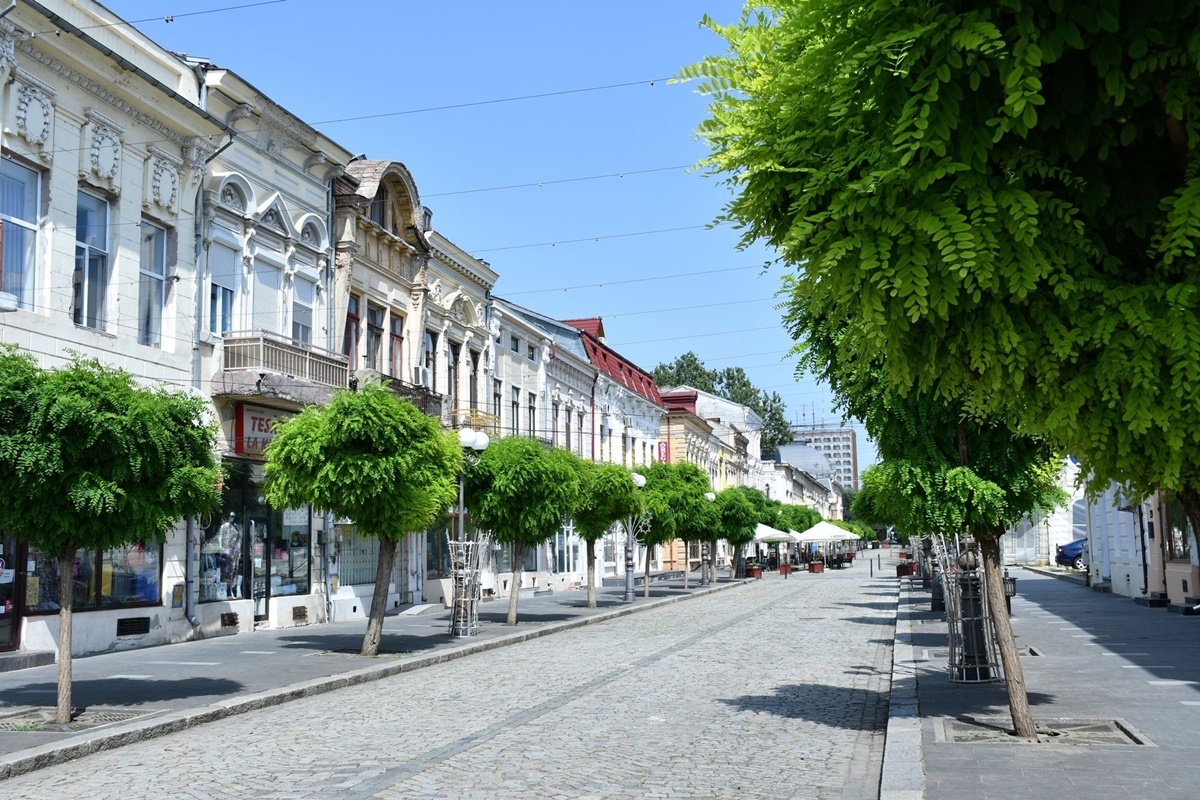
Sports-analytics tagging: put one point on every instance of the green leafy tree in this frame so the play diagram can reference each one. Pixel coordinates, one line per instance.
(941, 470)
(734, 385)
(371, 457)
(739, 511)
(698, 520)
(687, 370)
(1001, 196)
(93, 461)
(663, 495)
(522, 492)
(800, 518)
(607, 495)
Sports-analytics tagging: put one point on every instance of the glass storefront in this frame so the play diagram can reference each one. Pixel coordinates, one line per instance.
(252, 550)
(130, 575)
(10, 599)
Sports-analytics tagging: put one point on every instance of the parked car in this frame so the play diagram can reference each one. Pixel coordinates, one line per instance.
(1071, 554)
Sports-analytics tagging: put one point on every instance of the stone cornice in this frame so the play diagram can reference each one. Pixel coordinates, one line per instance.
(102, 93)
(458, 268)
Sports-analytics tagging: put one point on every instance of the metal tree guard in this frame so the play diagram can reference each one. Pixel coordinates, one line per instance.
(465, 585)
(974, 654)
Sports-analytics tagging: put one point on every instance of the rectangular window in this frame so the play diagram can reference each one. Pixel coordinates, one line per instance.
(350, 347)
(224, 264)
(516, 410)
(554, 424)
(474, 381)
(396, 331)
(532, 353)
(18, 224)
(452, 375)
(532, 413)
(130, 575)
(514, 343)
(497, 390)
(374, 337)
(303, 294)
(580, 450)
(429, 358)
(91, 261)
(152, 281)
(268, 288)
(567, 429)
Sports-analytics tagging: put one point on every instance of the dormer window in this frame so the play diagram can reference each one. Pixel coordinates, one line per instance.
(381, 212)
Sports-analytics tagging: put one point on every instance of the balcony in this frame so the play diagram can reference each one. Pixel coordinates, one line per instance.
(428, 401)
(263, 350)
(477, 420)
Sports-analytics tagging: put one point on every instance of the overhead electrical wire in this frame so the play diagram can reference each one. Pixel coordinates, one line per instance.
(540, 184)
(496, 101)
(166, 18)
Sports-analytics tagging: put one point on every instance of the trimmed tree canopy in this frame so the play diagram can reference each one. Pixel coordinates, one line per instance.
(369, 456)
(521, 490)
(92, 460)
(1001, 196)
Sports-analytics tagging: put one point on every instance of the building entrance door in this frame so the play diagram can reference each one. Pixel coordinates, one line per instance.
(10, 596)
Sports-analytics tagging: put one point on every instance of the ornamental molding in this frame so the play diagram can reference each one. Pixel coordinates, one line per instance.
(98, 90)
(35, 116)
(7, 50)
(163, 183)
(100, 157)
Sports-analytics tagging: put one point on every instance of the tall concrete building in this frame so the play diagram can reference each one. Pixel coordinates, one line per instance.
(840, 446)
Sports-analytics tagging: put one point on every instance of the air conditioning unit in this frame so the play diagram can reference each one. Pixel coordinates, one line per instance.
(627, 421)
(423, 376)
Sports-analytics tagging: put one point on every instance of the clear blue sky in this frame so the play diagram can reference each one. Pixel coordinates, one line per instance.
(328, 61)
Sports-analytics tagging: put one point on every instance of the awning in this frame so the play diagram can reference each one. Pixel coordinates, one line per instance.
(765, 533)
(826, 532)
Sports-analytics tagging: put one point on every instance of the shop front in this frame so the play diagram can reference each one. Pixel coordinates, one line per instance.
(10, 594)
(255, 559)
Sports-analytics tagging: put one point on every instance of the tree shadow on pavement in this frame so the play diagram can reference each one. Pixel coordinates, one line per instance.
(840, 707)
(124, 691)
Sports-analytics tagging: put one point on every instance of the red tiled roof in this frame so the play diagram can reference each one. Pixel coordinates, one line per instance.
(612, 363)
(680, 400)
(592, 325)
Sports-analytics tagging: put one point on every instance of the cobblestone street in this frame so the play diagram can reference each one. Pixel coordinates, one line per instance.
(775, 689)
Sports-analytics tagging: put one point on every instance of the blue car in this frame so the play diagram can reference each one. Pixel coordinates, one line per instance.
(1071, 553)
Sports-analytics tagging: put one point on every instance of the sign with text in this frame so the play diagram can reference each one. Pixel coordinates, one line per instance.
(255, 428)
(663, 454)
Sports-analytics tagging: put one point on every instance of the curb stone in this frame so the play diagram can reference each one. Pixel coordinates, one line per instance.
(165, 723)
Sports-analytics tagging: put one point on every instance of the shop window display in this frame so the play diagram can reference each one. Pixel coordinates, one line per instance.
(254, 551)
(129, 575)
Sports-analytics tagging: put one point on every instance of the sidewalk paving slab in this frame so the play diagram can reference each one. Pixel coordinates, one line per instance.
(1103, 657)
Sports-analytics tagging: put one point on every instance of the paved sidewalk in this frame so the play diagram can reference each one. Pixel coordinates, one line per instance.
(1098, 657)
(153, 691)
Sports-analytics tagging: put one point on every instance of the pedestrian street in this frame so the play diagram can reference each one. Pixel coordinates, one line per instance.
(778, 688)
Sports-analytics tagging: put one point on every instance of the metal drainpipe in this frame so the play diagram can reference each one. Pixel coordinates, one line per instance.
(1142, 538)
(189, 560)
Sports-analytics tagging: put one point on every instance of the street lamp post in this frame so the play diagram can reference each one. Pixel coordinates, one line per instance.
(710, 497)
(631, 526)
(464, 559)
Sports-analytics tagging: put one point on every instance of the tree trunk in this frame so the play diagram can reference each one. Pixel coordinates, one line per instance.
(66, 602)
(591, 561)
(1014, 676)
(687, 562)
(646, 589)
(383, 574)
(518, 554)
